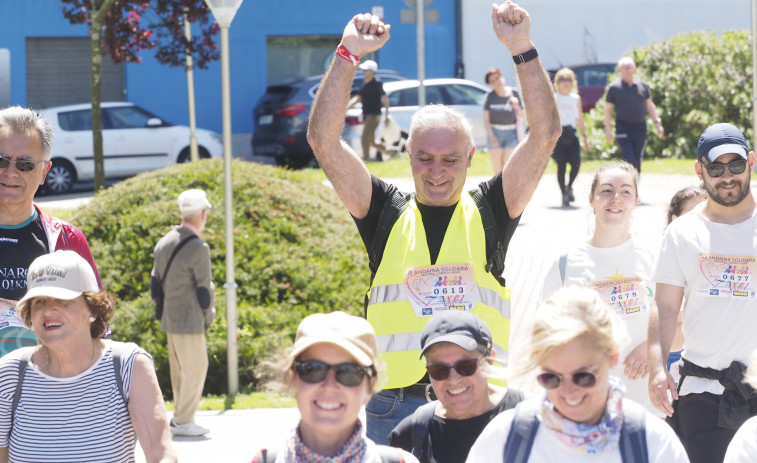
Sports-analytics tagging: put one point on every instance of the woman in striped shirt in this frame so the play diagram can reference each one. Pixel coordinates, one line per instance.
(76, 397)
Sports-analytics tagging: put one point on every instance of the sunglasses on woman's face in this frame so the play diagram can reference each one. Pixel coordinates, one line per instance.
(563, 79)
(441, 371)
(22, 165)
(716, 170)
(347, 374)
(582, 379)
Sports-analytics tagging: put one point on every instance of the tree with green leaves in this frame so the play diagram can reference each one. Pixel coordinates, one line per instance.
(118, 28)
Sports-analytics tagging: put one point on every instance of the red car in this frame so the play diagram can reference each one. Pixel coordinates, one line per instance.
(592, 81)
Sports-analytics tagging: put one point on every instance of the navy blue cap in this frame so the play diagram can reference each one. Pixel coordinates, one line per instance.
(460, 327)
(720, 139)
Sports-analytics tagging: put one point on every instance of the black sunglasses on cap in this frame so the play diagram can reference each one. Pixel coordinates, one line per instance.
(582, 379)
(716, 170)
(441, 371)
(347, 374)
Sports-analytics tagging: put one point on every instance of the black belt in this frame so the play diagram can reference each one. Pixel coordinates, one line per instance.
(417, 390)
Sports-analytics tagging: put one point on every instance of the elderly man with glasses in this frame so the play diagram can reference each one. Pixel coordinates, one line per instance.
(26, 231)
(709, 259)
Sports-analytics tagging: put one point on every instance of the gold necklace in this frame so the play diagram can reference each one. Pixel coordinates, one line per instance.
(47, 352)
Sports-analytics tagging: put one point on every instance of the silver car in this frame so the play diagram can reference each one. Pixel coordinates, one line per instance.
(134, 141)
(464, 95)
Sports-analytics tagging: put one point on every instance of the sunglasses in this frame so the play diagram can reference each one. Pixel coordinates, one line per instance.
(22, 165)
(563, 79)
(464, 367)
(582, 379)
(347, 374)
(716, 170)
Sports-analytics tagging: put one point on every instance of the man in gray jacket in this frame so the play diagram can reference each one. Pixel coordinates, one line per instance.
(187, 309)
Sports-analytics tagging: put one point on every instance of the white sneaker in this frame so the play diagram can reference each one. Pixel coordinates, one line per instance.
(188, 429)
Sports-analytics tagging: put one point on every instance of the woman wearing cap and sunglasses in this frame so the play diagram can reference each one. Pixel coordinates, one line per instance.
(583, 416)
(460, 359)
(76, 397)
(333, 373)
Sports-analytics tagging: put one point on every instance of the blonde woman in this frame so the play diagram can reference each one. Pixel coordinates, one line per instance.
(567, 150)
(582, 415)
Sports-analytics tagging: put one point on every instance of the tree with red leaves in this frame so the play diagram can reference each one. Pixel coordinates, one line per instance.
(123, 28)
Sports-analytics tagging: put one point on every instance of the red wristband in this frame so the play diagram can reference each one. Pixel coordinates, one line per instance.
(342, 52)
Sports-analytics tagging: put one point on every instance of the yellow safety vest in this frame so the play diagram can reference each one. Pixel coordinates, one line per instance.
(398, 329)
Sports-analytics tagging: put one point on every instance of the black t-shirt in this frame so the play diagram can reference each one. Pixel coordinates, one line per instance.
(19, 246)
(370, 96)
(630, 100)
(451, 439)
(436, 219)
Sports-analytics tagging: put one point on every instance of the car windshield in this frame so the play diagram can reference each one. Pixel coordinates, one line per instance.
(127, 117)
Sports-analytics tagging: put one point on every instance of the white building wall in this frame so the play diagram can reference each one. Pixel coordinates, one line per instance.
(568, 32)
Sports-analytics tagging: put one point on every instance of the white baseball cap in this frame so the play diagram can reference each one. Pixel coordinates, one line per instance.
(369, 65)
(193, 200)
(61, 275)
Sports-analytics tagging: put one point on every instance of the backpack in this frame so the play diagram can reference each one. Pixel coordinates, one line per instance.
(396, 205)
(388, 455)
(525, 425)
(26, 357)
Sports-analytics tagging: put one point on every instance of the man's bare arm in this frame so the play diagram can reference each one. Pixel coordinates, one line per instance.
(343, 167)
(523, 169)
(663, 319)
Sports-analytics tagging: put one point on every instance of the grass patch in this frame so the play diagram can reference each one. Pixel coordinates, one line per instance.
(264, 399)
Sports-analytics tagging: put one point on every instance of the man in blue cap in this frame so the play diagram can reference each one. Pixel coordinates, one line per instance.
(709, 258)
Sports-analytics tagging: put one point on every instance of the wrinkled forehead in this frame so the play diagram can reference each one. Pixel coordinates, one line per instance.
(13, 143)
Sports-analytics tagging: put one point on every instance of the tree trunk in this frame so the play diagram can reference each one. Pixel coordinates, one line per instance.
(97, 16)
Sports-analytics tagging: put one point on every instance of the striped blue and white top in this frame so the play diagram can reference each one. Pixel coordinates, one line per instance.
(78, 419)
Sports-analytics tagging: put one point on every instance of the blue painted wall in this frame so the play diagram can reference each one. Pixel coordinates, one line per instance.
(163, 90)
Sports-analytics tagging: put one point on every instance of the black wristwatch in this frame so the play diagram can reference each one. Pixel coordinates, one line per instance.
(526, 57)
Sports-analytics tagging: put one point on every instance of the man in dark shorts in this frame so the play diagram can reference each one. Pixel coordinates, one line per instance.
(435, 255)
(373, 98)
(629, 97)
(26, 231)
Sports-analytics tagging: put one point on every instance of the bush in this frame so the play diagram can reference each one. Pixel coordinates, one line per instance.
(297, 251)
(696, 79)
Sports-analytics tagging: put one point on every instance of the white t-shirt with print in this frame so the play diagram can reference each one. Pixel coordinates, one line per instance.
(715, 264)
(623, 276)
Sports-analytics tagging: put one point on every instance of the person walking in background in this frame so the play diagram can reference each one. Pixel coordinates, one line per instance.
(26, 231)
(332, 371)
(502, 112)
(618, 266)
(629, 97)
(707, 258)
(567, 149)
(682, 202)
(460, 360)
(373, 99)
(188, 308)
(76, 397)
(440, 230)
(583, 414)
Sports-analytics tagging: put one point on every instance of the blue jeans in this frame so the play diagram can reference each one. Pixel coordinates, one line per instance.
(385, 410)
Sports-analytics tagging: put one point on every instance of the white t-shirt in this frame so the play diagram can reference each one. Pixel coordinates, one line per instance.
(567, 108)
(743, 446)
(623, 276)
(715, 264)
(662, 445)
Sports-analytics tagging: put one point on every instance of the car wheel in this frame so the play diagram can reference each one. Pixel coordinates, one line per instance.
(184, 155)
(61, 177)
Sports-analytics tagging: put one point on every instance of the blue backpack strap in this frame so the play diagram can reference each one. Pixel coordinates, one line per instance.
(422, 417)
(633, 435)
(523, 431)
(23, 362)
(563, 264)
(117, 355)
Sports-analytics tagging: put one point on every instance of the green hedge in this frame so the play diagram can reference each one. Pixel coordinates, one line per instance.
(697, 79)
(297, 251)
